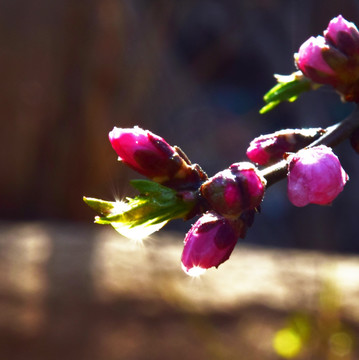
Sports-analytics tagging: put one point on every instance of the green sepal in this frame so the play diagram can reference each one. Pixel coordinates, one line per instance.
(288, 88)
(149, 211)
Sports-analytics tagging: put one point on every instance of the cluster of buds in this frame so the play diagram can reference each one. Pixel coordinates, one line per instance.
(233, 196)
(314, 174)
(334, 58)
(228, 201)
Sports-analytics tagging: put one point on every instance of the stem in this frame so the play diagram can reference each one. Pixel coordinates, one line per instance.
(333, 136)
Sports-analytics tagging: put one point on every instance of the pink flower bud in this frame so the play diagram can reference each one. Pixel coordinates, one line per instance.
(343, 35)
(269, 148)
(209, 243)
(153, 157)
(234, 190)
(311, 62)
(315, 176)
(334, 59)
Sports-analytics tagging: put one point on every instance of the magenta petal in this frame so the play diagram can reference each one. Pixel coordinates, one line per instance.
(269, 148)
(145, 152)
(310, 57)
(337, 25)
(343, 34)
(126, 141)
(209, 243)
(257, 153)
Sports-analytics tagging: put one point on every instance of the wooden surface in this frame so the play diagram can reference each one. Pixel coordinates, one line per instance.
(83, 292)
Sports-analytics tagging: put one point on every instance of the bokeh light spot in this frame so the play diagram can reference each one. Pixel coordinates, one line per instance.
(287, 343)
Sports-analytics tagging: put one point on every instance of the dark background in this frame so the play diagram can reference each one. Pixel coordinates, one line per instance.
(191, 71)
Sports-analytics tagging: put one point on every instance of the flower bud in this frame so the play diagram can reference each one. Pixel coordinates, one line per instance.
(267, 149)
(209, 243)
(315, 176)
(153, 157)
(334, 58)
(311, 62)
(234, 190)
(343, 35)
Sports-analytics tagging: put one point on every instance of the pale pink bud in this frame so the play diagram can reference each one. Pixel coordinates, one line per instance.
(234, 190)
(343, 35)
(311, 62)
(315, 176)
(209, 243)
(153, 157)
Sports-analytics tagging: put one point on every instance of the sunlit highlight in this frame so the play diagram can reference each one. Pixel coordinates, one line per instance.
(120, 206)
(137, 233)
(130, 230)
(195, 271)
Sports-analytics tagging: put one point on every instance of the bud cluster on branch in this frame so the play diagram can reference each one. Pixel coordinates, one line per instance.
(227, 202)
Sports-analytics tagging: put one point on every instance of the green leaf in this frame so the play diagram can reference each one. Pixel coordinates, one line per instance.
(147, 212)
(103, 207)
(153, 188)
(288, 88)
(269, 107)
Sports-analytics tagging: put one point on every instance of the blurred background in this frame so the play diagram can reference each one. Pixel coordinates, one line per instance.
(193, 72)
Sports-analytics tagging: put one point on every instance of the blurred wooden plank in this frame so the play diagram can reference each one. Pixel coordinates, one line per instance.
(70, 291)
